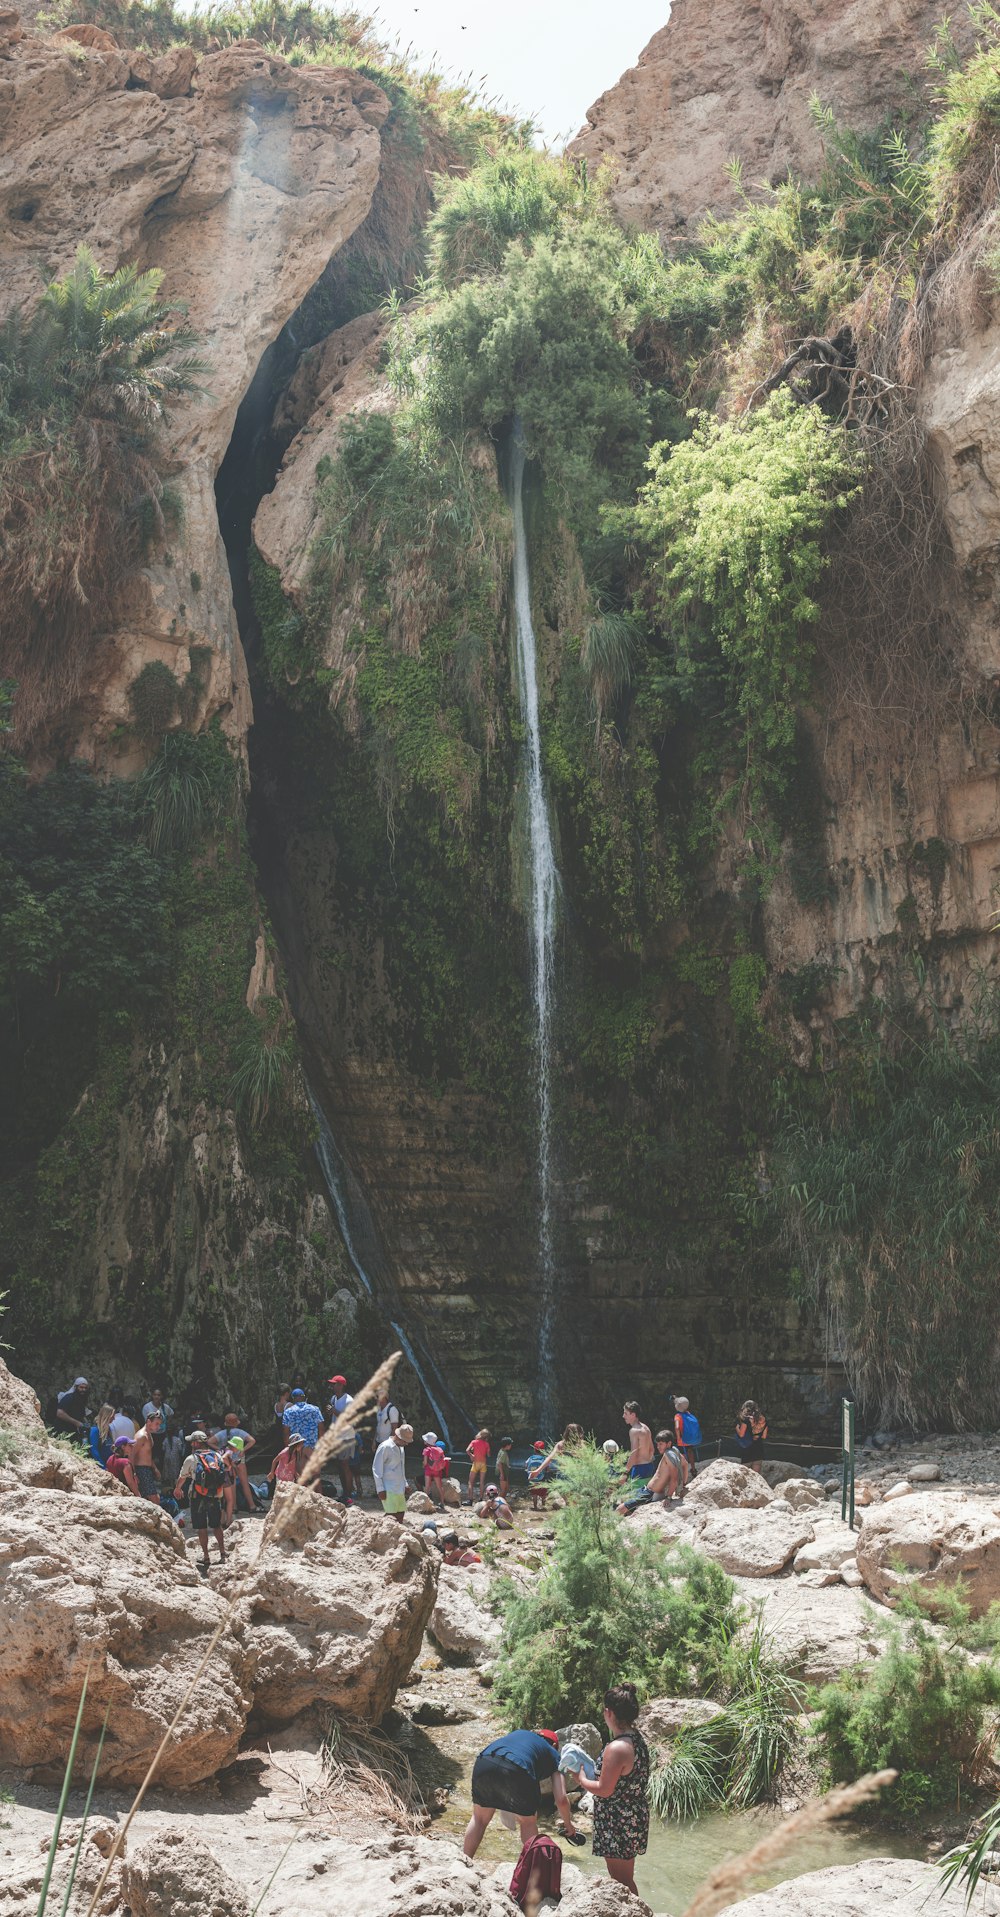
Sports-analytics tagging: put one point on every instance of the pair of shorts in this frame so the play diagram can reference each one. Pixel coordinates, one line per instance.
(393, 1503)
(497, 1784)
(148, 1482)
(206, 1514)
(755, 1449)
(643, 1470)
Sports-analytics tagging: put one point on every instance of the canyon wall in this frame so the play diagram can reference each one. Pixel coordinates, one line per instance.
(734, 81)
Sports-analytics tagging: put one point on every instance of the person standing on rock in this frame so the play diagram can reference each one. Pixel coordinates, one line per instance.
(751, 1431)
(303, 1419)
(687, 1432)
(668, 1479)
(641, 1460)
(143, 1464)
(620, 1792)
(478, 1452)
(389, 1471)
(507, 1776)
(344, 1456)
(204, 1475)
(387, 1417)
(287, 1466)
(435, 1464)
(69, 1419)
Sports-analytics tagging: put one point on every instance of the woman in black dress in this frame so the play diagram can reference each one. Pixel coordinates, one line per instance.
(621, 1802)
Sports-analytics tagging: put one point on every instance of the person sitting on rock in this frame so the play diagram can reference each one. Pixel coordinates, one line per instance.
(435, 1463)
(389, 1471)
(141, 1455)
(287, 1466)
(751, 1431)
(667, 1481)
(495, 1509)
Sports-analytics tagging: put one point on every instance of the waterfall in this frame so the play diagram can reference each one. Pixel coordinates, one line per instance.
(544, 892)
(335, 1178)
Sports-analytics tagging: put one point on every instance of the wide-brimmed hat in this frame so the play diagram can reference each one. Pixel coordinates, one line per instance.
(296, 1438)
(236, 1444)
(429, 1437)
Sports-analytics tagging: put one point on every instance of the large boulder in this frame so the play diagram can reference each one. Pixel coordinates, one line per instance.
(599, 1897)
(393, 1876)
(832, 1546)
(105, 1583)
(877, 1887)
(336, 1605)
(664, 1718)
(18, 1403)
(729, 1486)
(817, 1634)
(935, 1539)
(460, 1622)
(176, 1875)
(752, 1544)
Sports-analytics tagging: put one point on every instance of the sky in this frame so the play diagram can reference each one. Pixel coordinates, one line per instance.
(548, 58)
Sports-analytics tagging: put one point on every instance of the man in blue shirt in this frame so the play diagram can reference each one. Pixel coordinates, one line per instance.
(303, 1419)
(507, 1776)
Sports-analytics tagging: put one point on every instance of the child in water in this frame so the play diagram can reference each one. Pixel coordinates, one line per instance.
(478, 1449)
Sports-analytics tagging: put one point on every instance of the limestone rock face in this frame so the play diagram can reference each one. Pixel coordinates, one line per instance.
(174, 1875)
(663, 1718)
(393, 1876)
(599, 1897)
(18, 1404)
(335, 1609)
(937, 1539)
(734, 80)
(728, 1486)
(237, 175)
(109, 1576)
(877, 1887)
(460, 1622)
(817, 1634)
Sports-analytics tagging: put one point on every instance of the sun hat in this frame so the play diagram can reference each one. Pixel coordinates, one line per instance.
(429, 1437)
(197, 1437)
(296, 1438)
(236, 1444)
(404, 1431)
(298, 1392)
(337, 1380)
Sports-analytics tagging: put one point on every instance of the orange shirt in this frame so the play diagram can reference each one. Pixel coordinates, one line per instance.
(479, 1450)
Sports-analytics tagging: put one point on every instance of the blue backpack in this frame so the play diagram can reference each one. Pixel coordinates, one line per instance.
(691, 1428)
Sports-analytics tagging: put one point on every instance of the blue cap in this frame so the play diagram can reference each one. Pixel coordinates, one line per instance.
(298, 1392)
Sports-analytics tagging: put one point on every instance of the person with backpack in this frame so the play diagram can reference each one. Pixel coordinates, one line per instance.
(207, 1476)
(751, 1431)
(687, 1432)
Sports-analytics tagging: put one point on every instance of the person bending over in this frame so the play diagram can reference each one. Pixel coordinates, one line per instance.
(507, 1776)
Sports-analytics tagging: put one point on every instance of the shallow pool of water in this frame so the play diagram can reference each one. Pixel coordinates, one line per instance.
(680, 1856)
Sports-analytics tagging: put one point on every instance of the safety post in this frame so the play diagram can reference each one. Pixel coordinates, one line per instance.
(847, 1469)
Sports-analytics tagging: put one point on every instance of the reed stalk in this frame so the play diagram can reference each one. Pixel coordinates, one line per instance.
(731, 1880)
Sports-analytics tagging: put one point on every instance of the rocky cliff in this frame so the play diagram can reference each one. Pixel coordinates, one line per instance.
(736, 82)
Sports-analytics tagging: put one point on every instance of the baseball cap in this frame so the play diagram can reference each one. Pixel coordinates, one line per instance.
(429, 1437)
(298, 1392)
(80, 1384)
(196, 1437)
(551, 1737)
(337, 1380)
(236, 1444)
(539, 1445)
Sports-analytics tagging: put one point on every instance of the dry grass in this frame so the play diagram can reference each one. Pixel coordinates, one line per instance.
(734, 1879)
(370, 1777)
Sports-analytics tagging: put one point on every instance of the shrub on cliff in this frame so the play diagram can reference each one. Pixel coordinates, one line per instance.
(613, 1603)
(85, 384)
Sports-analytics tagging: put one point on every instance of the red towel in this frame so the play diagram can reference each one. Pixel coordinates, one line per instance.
(540, 1864)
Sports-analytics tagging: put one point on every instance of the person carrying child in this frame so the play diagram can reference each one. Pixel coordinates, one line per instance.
(478, 1450)
(435, 1465)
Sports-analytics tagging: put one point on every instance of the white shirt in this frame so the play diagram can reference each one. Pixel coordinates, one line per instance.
(339, 1407)
(121, 1427)
(389, 1467)
(386, 1419)
(163, 1411)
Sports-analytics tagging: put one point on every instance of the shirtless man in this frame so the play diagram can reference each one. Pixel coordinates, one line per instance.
(667, 1481)
(141, 1454)
(642, 1461)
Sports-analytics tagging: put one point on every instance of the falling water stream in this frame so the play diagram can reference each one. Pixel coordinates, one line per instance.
(544, 896)
(335, 1177)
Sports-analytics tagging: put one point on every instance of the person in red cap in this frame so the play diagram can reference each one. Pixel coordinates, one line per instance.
(539, 1468)
(507, 1776)
(344, 1454)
